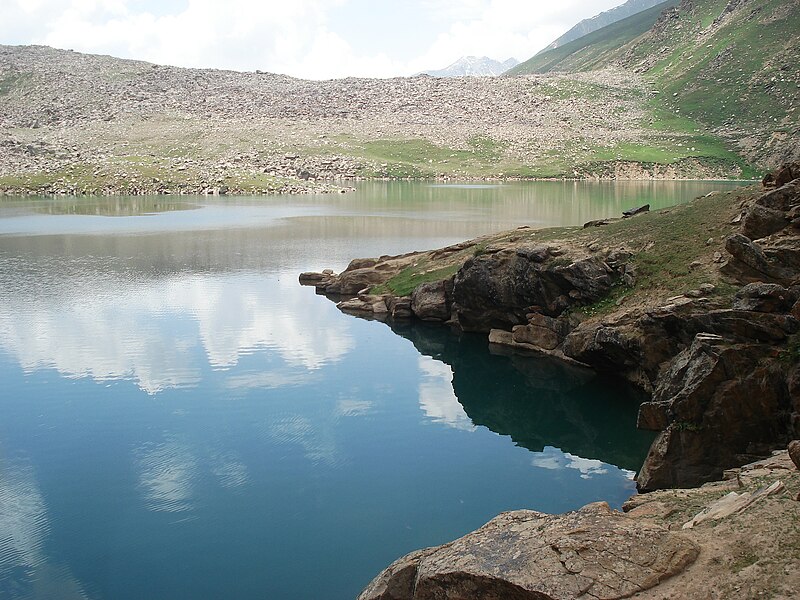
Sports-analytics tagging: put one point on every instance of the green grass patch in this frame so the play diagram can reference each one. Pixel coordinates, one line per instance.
(408, 279)
(608, 304)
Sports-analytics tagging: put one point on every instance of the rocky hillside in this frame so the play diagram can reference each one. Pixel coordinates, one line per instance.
(731, 66)
(596, 48)
(77, 123)
(728, 67)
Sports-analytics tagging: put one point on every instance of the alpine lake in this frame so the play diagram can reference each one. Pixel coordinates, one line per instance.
(180, 419)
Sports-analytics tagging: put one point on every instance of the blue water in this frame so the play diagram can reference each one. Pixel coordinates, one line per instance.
(180, 419)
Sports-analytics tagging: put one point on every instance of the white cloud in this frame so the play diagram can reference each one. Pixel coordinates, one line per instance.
(298, 37)
(24, 528)
(506, 28)
(166, 476)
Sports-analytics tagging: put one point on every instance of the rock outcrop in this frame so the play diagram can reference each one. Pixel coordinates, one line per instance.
(500, 287)
(526, 555)
(721, 368)
(719, 404)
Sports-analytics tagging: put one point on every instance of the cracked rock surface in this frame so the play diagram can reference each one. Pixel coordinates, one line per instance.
(592, 553)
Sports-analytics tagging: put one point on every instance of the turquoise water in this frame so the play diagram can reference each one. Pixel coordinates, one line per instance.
(180, 419)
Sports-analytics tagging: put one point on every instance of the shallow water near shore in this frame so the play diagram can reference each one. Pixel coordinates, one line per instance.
(180, 419)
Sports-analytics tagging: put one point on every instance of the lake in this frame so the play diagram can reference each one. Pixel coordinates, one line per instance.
(180, 419)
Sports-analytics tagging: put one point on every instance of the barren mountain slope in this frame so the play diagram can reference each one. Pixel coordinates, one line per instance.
(72, 122)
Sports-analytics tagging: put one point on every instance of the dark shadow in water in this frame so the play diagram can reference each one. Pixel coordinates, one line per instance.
(538, 401)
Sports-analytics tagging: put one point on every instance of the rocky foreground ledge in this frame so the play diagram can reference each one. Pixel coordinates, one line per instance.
(738, 538)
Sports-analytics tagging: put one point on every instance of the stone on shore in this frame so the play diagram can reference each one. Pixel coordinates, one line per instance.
(591, 553)
(430, 301)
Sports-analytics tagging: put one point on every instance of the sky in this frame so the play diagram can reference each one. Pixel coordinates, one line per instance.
(313, 39)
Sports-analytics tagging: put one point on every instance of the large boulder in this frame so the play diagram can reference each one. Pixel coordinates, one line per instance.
(498, 289)
(541, 332)
(526, 555)
(781, 199)
(760, 222)
(718, 404)
(751, 262)
(603, 347)
(431, 301)
(764, 297)
(782, 175)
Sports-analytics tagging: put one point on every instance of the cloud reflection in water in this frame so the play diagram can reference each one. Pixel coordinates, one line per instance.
(26, 572)
(150, 332)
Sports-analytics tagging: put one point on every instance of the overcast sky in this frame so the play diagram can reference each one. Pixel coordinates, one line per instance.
(317, 39)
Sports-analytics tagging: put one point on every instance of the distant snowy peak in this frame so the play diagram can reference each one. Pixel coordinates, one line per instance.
(473, 66)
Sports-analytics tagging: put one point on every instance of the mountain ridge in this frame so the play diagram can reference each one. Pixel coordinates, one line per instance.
(603, 19)
(473, 66)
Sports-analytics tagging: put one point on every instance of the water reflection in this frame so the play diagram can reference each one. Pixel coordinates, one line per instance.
(555, 459)
(436, 396)
(26, 572)
(166, 471)
(149, 330)
(537, 401)
(118, 206)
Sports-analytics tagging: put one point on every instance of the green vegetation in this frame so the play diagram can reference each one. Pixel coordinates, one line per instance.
(733, 73)
(136, 174)
(745, 559)
(739, 71)
(418, 158)
(617, 296)
(791, 355)
(687, 426)
(404, 282)
(594, 49)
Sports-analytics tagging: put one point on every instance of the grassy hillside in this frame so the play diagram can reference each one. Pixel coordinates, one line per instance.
(594, 49)
(731, 66)
(623, 11)
(726, 69)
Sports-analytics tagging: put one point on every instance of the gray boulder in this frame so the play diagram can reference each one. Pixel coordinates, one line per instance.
(760, 221)
(431, 302)
(764, 297)
(718, 405)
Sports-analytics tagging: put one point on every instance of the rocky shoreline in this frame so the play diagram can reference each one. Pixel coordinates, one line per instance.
(718, 355)
(698, 306)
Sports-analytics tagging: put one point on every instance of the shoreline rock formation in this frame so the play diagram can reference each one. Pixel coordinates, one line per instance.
(720, 361)
(719, 358)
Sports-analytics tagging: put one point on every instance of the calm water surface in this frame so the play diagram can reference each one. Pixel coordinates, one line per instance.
(180, 419)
